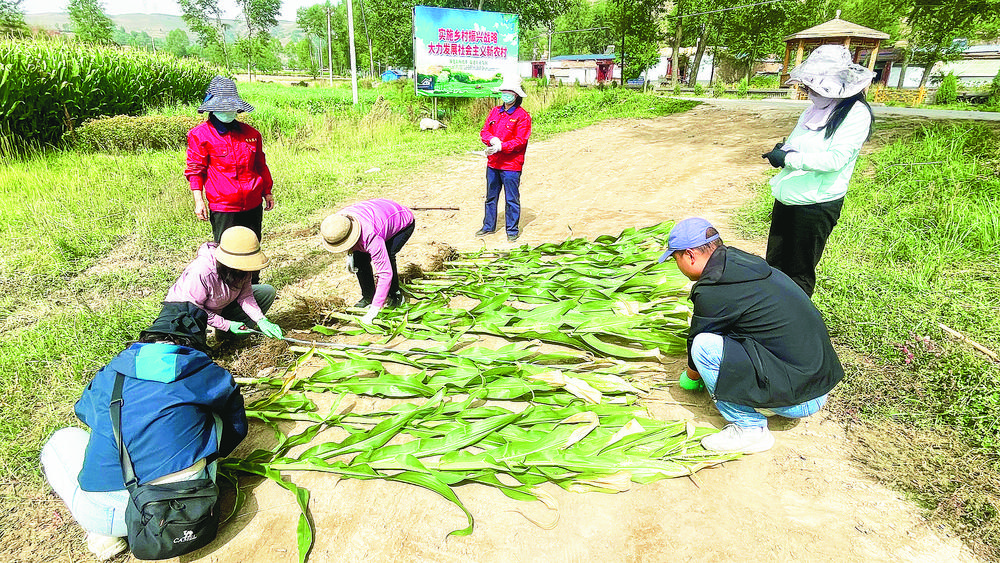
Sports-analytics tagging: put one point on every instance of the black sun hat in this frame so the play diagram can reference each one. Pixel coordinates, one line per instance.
(184, 322)
(223, 96)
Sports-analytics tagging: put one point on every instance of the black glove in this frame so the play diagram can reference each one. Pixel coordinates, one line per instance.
(777, 156)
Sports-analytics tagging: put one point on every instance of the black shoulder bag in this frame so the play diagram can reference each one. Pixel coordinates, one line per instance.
(166, 520)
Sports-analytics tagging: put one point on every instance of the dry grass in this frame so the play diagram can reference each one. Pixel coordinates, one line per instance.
(307, 312)
(250, 360)
(960, 486)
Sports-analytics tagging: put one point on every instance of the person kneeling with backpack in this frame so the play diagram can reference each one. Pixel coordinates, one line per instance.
(178, 413)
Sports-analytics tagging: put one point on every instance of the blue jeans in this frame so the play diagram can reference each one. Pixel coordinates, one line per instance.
(510, 181)
(706, 353)
(98, 512)
(363, 262)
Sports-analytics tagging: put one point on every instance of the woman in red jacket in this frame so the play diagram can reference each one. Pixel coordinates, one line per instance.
(226, 165)
(506, 133)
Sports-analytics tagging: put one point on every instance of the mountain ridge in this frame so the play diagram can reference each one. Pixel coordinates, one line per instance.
(159, 25)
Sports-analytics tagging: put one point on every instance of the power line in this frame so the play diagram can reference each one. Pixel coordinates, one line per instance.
(740, 7)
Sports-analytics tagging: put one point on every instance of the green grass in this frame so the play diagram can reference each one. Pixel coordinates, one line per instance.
(91, 242)
(917, 246)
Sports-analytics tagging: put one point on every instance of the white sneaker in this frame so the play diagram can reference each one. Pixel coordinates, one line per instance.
(105, 547)
(739, 439)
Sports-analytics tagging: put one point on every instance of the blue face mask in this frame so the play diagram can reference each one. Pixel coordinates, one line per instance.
(225, 116)
(507, 97)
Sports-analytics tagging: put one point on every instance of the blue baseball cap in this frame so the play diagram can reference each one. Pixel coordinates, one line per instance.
(689, 233)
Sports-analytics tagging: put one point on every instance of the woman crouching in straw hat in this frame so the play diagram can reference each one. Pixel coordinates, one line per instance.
(506, 133)
(817, 161)
(371, 232)
(218, 281)
(226, 164)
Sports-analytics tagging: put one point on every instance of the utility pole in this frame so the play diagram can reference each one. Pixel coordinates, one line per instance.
(552, 28)
(354, 61)
(329, 42)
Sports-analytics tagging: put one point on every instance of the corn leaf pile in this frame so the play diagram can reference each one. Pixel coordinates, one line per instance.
(569, 415)
(48, 87)
(609, 296)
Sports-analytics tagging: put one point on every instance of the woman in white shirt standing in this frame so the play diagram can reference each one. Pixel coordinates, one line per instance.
(817, 161)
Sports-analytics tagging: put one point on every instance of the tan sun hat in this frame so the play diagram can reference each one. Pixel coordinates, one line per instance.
(340, 232)
(239, 249)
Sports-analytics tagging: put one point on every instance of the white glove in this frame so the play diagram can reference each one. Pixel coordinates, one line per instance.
(350, 263)
(495, 146)
(369, 317)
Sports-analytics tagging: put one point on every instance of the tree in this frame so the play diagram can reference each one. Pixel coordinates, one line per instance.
(90, 23)
(120, 36)
(937, 25)
(177, 42)
(12, 19)
(750, 33)
(204, 18)
(636, 25)
(312, 21)
(260, 17)
(582, 15)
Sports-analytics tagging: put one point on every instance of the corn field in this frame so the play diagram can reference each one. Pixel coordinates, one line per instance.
(584, 322)
(49, 87)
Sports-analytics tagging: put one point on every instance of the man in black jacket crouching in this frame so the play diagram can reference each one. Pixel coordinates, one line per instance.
(756, 340)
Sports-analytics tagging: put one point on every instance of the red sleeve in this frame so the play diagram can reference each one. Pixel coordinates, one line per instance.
(521, 134)
(262, 170)
(197, 161)
(487, 133)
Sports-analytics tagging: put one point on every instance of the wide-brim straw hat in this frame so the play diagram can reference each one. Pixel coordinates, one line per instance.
(511, 84)
(223, 96)
(830, 72)
(239, 249)
(340, 232)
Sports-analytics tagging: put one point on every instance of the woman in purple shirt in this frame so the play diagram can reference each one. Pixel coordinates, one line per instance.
(218, 281)
(372, 233)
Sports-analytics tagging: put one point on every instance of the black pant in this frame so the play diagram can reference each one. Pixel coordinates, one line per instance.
(363, 262)
(797, 239)
(251, 219)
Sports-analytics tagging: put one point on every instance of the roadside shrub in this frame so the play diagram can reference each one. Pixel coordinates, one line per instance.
(994, 100)
(765, 81)
(677, 88)
(699, 90)
(947, 93)
(743, 88)
(124, 133)
(719, 89)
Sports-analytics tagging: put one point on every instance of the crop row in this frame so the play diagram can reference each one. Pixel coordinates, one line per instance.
(50, 87)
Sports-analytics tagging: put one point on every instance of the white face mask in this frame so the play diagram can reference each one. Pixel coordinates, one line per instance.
(507, 97)
(225, 116)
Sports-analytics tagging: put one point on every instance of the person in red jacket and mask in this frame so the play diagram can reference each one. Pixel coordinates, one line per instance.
(505, 133)
(226, 165)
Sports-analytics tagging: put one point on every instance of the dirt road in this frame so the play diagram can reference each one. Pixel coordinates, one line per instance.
(802, 501)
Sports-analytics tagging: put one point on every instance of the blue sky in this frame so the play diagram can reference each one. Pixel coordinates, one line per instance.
(114, 7)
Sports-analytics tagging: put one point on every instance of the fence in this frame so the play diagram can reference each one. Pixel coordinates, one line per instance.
(881, 94)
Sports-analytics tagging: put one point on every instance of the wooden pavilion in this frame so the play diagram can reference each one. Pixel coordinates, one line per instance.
(856, 38)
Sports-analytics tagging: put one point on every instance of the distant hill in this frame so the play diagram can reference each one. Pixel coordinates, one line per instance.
(159, 25)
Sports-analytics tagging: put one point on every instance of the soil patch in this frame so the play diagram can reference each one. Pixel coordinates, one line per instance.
(805, 500)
